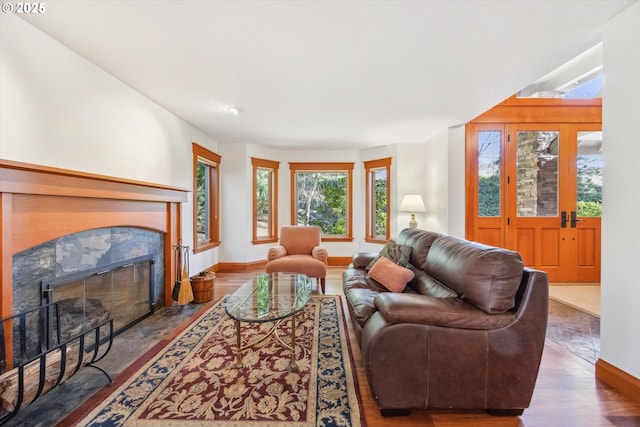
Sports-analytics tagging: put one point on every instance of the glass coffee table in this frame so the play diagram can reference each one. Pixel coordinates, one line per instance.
(270, 297)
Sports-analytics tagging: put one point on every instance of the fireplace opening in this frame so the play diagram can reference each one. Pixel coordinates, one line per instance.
(122, 291)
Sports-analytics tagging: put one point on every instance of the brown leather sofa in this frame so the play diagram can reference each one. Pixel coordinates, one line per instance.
(467, 332)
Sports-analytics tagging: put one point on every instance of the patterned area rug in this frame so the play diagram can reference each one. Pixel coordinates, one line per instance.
(194, 380)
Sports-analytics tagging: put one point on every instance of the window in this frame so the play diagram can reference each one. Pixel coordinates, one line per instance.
(489, 154)
(265, 200)
(206, 200)
(321, 194)
(378, 196)
(589, 164)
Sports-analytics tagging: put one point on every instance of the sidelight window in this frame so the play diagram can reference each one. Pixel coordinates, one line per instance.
(206, 198)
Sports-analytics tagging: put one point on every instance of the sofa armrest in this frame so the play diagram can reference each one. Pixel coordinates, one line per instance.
(446, 312)
(362, 259)
(318, 252)
(276, 252)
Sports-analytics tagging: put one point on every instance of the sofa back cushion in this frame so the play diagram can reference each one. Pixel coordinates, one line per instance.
(420, 241)
(486, 276)
(424, 284)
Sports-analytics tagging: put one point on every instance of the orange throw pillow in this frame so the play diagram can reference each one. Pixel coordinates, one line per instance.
(391, 275)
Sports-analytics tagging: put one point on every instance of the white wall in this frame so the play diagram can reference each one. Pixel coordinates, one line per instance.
(436, 171)
(58, 109)
(410, 177)
(456, 197)
(620, 311)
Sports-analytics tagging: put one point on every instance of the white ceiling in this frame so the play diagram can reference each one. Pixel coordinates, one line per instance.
(327, 74)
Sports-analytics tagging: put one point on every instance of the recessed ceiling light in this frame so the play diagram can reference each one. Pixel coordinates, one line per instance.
(233, 110)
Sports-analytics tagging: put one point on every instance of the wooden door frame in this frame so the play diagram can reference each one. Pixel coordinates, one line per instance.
(582, 114)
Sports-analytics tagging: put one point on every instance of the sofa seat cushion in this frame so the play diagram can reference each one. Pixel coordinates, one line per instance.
(360, 293)
(303, 264)
(486, 276)
(446, 312)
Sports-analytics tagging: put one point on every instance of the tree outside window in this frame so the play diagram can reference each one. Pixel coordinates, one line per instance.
(378, 176)
(322, 196)
(265, 200)
(206, 198)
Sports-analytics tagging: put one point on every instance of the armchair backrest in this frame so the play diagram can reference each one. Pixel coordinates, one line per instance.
(299, 239)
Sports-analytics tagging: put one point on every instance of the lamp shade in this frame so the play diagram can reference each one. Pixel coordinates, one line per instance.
(412, 203)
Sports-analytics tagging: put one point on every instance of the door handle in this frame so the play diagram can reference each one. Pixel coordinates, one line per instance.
(563, 219)
(574, 219)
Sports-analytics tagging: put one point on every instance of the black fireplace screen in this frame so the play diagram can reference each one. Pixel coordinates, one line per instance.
(122, 291)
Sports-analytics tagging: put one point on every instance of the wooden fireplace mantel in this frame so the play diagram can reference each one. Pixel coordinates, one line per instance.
(40, 203)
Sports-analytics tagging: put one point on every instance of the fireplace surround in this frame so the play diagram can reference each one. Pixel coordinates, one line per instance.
(40, 204)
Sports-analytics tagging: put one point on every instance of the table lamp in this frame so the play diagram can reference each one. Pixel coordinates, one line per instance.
(412, 203)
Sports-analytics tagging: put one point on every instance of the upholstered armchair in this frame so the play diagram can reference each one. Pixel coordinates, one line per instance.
(299, 251)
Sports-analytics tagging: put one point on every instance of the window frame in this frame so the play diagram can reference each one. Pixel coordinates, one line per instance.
(273, 167)
(370, 168)
(346, 167)
(212, 160)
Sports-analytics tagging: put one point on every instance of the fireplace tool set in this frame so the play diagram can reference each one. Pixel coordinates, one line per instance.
(182, 291)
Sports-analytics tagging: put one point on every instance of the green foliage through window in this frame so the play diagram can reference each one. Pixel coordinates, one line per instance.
(205, 198)
(489, 195)
(589, 171)
(322, 201)
(203, 211)
(380, 195)
(264, 179)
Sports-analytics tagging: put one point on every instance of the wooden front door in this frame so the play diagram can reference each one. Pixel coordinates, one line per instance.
(548, 222)
(536, 188)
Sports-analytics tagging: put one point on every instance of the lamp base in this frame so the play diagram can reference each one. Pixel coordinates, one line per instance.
(413, 223)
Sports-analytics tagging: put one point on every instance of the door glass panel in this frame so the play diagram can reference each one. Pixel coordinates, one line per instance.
(489, 173)
(537, 173)
(589, 170)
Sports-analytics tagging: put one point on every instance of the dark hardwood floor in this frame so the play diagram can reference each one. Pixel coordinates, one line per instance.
(566, 394)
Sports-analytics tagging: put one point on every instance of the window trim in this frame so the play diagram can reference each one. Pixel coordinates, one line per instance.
(273, 200)
(346, 167)
(213, 160)
(369, 167)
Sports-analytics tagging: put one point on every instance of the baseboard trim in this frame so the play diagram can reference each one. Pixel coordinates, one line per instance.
(339, 261)
(240, 267)
(625, 383)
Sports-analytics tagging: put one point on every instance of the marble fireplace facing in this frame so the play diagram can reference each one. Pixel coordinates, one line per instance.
(93, 275)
